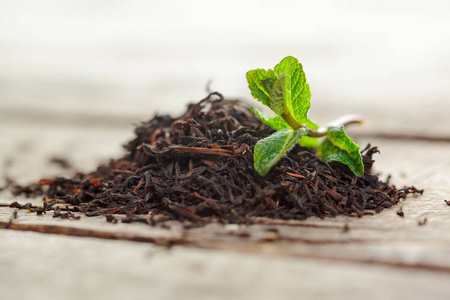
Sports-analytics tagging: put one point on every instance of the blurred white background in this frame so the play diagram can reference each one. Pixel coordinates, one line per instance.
(121, 61)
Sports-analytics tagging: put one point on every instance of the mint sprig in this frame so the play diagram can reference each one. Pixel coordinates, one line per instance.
(285, 91)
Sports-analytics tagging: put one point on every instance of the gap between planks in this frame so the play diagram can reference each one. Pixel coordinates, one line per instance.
(188, 239)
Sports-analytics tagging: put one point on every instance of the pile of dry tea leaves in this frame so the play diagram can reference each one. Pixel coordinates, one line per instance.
(199, 168)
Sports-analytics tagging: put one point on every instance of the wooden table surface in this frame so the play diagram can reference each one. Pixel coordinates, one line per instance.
(75, 78)
(381, 257)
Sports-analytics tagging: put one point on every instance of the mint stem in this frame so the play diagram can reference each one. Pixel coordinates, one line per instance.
(344, 121)
(322, 131)
(317, 133)
(291, 121)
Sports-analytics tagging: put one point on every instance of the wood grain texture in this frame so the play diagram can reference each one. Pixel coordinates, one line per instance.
(36, 266)
(385, 248)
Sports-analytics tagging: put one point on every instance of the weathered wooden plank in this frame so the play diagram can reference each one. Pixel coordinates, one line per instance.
(36, 266)
(378, 239)
(311, 259)
(27, 149)
(398, 242)
(392, 251)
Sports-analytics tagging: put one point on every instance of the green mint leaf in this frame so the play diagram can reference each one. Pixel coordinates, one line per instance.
(309, 142)
(260, 83)
(277, 96)
(339, 147)
(277, 122)
(311, 125)
(297, 92)
(270, 150)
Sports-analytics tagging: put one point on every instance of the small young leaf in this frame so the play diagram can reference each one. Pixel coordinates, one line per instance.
(339, 147)
(260, 83)
(308, 142)
(277, 96)
(268, 151)
(276, 122)
(297, 92)
(269, 80)
(311, 125)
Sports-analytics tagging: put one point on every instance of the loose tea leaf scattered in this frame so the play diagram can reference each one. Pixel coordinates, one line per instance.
(198, 168)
